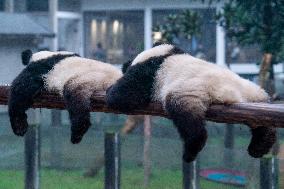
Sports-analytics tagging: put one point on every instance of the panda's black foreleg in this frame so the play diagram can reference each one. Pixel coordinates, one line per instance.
(262, 141)
(188, 116)
(22, 92)
(127, 94)
(77, 101)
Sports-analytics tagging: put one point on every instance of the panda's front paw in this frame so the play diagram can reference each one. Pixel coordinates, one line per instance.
(262, 141)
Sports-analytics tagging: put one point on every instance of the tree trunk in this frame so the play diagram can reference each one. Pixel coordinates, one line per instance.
(266, 81)
(131, 123)
(268, 169)
(264, 70)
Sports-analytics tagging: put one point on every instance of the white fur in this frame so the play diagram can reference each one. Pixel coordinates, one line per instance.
(82, 70)
(155, 51)
(46, 54)
(189, 76)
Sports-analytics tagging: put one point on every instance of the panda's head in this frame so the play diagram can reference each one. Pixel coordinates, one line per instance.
(159, 50)
(28, 56)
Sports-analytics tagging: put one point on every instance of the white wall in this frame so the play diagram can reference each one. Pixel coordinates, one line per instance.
(10, 57)
(88, 5)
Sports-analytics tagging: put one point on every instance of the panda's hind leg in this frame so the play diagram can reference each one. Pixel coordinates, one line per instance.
(188, 114)
(78, 102)
(262, 141)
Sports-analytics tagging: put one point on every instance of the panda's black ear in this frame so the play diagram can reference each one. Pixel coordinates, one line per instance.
(126, 65)
(158, 43)
(26, 56)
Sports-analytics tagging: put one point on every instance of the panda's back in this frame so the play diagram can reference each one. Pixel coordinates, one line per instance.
(185, 74)
(81, 68)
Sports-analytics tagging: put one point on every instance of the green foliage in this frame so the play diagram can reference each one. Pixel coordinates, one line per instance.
(184, 24)
(258, 22)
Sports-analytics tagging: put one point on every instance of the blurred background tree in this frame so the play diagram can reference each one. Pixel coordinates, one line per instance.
(259, 22)
(181, 25)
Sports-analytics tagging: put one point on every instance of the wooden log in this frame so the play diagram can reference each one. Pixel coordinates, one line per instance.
(252, 114)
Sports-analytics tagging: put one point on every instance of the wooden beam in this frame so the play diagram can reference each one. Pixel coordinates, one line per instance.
(252, 114)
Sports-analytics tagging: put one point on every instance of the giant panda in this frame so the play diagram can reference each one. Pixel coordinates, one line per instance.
(73, 77)
(186, 86)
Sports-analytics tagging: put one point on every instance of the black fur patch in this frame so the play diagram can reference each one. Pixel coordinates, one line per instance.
(176, 50)
(25, 87)
(26, 56)
(191, 127)
(126, 65)
(262, 141)
(78, 105)
(158, 43)
(135, 88)
(173, 51)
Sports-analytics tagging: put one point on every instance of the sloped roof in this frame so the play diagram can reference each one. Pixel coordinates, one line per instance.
(21, 24)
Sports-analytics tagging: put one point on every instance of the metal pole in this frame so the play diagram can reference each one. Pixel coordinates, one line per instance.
(32, 151)
(147, 119)
(53, 23)
(55, 114)
(147, 150)
(268, 174)
(55, 140)
(147, 28)
(190, 175)
(112, 161)
(220, 42)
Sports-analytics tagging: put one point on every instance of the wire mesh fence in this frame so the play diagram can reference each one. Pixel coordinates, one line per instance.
(64, 165)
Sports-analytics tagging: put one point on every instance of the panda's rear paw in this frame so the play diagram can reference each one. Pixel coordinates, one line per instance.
(187, 157)
(19, 126)
(75, 139)
(77, 133)
(189, 153)
(257, 151)
(262, 141)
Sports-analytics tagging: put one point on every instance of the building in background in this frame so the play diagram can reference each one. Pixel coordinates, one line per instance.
(123, 28)
(17, 32)
(24, 24)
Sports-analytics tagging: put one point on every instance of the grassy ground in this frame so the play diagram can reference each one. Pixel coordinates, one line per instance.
(131, 179)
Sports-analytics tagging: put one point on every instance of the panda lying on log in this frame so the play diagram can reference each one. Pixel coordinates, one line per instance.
(186, 86)
(73, 77)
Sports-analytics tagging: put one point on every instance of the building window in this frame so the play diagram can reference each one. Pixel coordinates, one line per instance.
(2, 5)
(117, 36)
(37, 5)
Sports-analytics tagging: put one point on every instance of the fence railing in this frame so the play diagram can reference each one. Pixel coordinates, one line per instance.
(251, 114)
